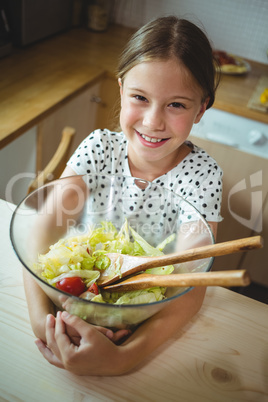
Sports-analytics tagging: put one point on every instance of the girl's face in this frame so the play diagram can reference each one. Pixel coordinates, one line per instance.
(160, 102)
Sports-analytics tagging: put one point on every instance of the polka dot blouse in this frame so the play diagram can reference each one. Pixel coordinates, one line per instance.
(197, 179)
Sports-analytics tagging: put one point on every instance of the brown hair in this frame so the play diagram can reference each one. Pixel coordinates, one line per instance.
(168, 37)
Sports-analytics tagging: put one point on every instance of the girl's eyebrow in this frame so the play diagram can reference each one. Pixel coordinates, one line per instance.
(135, 89)
(183, 97)
(172, 97)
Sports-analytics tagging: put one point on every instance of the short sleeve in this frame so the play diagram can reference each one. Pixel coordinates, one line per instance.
(87, 159)
(206, 195)
(102, 152)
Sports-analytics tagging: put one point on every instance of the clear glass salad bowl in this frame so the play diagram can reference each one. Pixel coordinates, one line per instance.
(77, 206)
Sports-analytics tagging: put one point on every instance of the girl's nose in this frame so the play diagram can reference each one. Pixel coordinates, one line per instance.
(154, 119)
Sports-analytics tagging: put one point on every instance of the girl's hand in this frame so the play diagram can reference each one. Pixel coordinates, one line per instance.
(79, 347)
(51, 357)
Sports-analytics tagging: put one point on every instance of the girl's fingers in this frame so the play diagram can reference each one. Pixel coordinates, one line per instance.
(50, 335)
(107, 332)
(50, 328)
(60, 329)
(65, 345)
(119, 335)
(48, 354)
(113, 336)
(83, 328)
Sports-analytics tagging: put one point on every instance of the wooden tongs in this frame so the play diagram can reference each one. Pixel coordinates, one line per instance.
(131, 265)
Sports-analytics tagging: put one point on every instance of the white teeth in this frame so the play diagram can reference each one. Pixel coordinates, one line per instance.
(151, 139)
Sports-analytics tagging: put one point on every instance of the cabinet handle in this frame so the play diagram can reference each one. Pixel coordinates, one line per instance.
(95, 99)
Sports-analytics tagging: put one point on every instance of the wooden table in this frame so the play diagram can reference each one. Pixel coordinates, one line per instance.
(221, 355)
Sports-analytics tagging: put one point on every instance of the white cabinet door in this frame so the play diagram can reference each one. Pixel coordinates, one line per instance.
(79, 113)
(256, 262)
(18, 166)
(109, 107)
(244, 206)
(30, 153)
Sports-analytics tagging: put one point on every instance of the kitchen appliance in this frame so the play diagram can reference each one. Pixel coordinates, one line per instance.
(32, 20)
(246, 135)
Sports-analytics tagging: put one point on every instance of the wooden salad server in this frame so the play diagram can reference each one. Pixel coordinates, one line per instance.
(219, 278)
(123, 265)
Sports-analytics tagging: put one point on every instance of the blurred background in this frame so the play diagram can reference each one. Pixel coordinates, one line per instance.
(237, 26)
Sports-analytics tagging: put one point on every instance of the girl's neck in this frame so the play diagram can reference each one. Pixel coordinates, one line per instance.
(150, 171)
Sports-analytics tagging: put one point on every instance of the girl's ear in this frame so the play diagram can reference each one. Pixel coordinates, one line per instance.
(201, 111)
(120, 85)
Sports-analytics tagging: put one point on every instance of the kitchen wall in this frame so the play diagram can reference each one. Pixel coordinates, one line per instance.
(236, 26)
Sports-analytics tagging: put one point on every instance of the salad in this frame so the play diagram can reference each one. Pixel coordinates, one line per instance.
(73, 264)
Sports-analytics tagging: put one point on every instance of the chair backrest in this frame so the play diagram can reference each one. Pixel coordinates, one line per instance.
(57, 164)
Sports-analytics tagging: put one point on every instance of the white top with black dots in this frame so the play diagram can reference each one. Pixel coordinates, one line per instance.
(198, 178)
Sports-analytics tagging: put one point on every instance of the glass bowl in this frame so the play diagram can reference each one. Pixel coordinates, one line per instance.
(70, 206)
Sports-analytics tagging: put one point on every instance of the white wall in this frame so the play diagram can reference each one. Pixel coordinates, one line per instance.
(236, 26)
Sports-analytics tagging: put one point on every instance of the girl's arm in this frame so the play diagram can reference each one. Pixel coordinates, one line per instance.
(116, 359)
(108, 358)
(39, 304)
(97, 355)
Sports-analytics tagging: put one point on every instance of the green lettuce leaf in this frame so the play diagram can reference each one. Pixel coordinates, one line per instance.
(83, 256)
(141, 296)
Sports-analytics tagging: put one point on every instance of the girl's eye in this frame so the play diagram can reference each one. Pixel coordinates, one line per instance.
(177, 105)
(140, 98)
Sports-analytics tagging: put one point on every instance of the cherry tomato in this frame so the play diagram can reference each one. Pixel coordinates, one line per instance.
(75, 286)
(93, 289)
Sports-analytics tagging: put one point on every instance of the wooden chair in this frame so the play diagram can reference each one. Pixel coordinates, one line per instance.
(56, 165)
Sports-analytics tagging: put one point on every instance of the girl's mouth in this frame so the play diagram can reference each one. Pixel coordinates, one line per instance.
(151, 140)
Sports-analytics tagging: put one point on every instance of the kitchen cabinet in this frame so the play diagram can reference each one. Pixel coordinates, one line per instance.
(244, 206)
(80, 113)
(96, 107)
(92, 108)
(109, 104)
(18, 166)
(252, 260)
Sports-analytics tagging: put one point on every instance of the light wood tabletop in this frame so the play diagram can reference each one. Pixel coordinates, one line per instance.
(221, 355)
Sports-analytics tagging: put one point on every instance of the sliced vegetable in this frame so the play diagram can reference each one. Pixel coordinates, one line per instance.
(102, 262)
(75, 286)
(93, 289)
(74, 264)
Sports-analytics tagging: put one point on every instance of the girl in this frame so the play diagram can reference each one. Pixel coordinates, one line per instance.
(167, 80)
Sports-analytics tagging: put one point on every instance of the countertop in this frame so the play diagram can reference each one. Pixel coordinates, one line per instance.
(39, 78)
(221, 355)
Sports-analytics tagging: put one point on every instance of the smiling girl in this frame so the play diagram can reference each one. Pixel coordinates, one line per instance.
(157, 120)
(167, 80)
